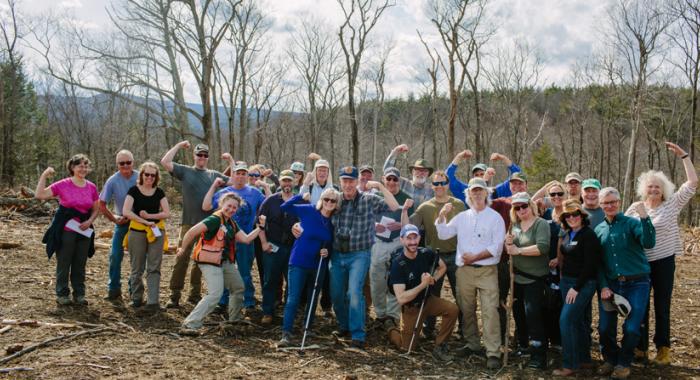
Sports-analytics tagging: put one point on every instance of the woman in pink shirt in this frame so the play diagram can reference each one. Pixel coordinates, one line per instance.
(78, 201)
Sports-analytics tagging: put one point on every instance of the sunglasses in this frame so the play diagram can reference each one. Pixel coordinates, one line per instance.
(611, 203)
(574, 182)
(391, 179)
(555, 194)
(256, 175)
(124, 163)
(574, 214)
(523, 207)
(331, 200)
(202, 155)
(440, 183)
(152, 175)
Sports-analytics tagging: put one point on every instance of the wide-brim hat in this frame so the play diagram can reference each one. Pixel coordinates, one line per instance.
(422, 164)
(570, 206)
(617, 303)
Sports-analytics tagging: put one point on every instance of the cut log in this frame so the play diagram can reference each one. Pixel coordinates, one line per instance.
(8, 245)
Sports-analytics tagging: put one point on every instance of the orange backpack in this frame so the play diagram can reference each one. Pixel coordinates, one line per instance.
(209, 251)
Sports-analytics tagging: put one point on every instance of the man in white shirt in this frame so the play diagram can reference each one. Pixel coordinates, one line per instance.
(480, 233)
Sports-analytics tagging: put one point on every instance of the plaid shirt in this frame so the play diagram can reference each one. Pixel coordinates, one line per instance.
(356, 219)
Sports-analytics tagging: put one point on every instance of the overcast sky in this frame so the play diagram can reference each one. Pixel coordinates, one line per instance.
(563, 31)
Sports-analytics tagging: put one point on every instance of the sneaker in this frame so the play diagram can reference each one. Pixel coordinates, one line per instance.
(80, 300)
(663, 356)
(114, 295)
(341, 334)
(620, 372)
(220, 309)
(174, 303)
(286, 340)
(493, 362)
(440, 353)
(63, 300)
(136, 303)
(605, 369)
(186, 331)
(266, 320)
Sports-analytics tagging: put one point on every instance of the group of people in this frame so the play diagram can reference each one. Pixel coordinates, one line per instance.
(554, 250)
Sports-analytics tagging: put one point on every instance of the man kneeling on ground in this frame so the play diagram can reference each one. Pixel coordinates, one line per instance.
(409, 277)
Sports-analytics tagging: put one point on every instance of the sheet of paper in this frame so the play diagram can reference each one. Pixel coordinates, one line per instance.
(156, 231)
(385, 222)
(75, 226)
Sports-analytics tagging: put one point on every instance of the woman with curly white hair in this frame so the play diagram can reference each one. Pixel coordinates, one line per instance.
(656, 191)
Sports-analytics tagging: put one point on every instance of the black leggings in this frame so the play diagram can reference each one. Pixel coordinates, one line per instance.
(528, 308)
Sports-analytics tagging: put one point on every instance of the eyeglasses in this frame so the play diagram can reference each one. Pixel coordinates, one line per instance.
(330, 200)
(440, 183)
(124, 163)
(574, 214)
(610, 203)
(523, 207)
(152, 175)
(255, 175)
(556, 194)
(202, 155)
(391, 179)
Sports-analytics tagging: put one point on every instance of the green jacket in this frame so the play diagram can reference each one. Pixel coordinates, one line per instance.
(624, 240)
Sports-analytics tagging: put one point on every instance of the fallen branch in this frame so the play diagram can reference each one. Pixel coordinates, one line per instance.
(48, 342)
(312, 360)
(311, 347)
(8, 245)
(34, 323)
(5, 329)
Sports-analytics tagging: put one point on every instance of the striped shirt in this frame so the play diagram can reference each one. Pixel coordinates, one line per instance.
(665, 221)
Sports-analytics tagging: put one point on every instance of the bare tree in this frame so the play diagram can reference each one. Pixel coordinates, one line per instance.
(637, 26)
(457, 22)
(432, 71)
(378, 74)
(360, 17)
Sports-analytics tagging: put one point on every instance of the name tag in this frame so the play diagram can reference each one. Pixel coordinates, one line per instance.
(573, 243)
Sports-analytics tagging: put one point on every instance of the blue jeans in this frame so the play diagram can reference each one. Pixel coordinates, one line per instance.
(115, 257)
(301, 281)
(275, 265)
(348, 271)
(637, 294)
(575, 336)
(245, 254)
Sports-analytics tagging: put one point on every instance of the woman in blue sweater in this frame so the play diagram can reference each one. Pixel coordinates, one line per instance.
(315, 221)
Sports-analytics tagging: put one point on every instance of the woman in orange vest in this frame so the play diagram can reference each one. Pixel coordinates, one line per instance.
(214, 254)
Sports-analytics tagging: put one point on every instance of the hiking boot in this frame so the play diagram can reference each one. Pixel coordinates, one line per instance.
(389, 323)
(440, 353)
(194, 299)
(620, 372)
(152, 308)
(341, 334)
(640, 356)
(605, 369)
(467, 351)
(493, 362)
(114, 295)
(429, 334)
(357, 345)
(663, 356)
(80, 300)
(538, 358)
(174, 303)
(63, 300)
(266, 320)
(220, 309)
(286, 340)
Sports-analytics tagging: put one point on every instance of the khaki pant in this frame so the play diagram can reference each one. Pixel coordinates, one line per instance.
(218, 278)
(177, 278)
(484, 281)
(434, 307)
(385, 304)
(146, 257)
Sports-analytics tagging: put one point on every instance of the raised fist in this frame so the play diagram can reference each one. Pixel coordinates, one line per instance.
(314, 156)
(49, 172)
(401, 148)
(184, 144)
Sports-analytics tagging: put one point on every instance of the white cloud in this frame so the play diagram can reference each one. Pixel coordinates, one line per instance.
(70, 4)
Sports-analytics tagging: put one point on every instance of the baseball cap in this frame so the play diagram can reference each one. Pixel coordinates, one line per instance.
(365, 168)
(201, 148)
(297, 166)
(573, 176)
(518, 176)
(591, 182)
(240, 166)
(521, 197)
(477, 182)
(409, 229)
(286, 174)
(617, 303)
(392, 171)
(322, 163)
(479, 166)
(348, 172)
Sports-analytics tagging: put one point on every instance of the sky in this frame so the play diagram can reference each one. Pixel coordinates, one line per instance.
(561, 31)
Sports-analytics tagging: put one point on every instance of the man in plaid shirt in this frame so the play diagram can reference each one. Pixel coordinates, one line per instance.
(354, 236)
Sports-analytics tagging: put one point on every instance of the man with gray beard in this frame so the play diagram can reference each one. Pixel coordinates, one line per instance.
(418, 187)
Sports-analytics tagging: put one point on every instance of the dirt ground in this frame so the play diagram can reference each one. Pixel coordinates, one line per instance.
(119, 342)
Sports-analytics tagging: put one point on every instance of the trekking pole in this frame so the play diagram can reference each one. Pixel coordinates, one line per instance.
(509, 304)
(312, 303)
(422, 304)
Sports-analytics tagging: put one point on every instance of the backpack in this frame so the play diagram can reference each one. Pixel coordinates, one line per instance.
(397, 258)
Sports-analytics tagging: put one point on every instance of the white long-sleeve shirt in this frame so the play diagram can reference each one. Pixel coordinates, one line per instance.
(476, 232)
